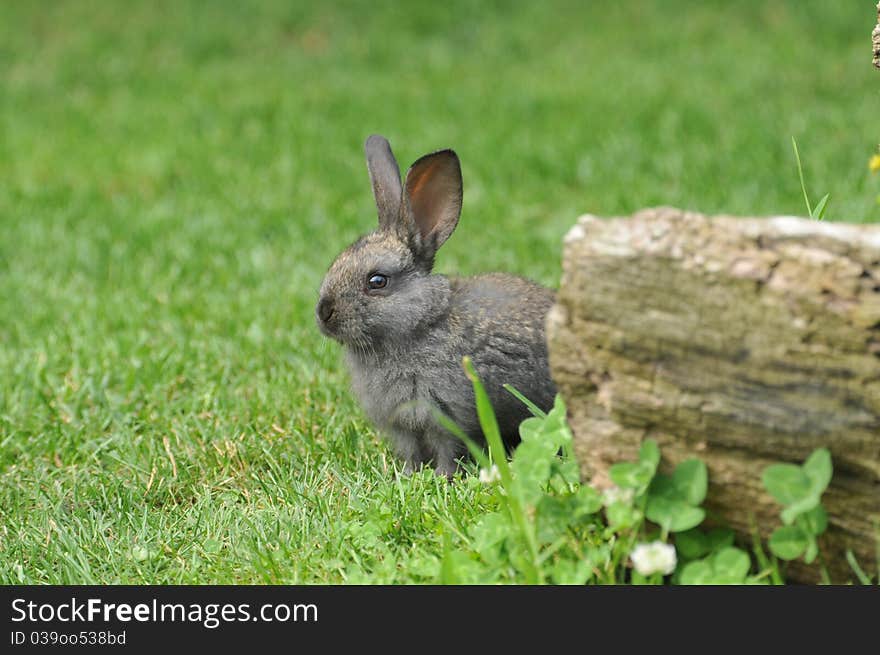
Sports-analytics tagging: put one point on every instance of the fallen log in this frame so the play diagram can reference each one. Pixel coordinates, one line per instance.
(743, 342)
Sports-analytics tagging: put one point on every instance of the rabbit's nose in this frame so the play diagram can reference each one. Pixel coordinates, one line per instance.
(325, 309)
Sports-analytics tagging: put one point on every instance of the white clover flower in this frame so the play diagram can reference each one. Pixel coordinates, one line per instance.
(617, 495)
(655, 557)
(490, 475)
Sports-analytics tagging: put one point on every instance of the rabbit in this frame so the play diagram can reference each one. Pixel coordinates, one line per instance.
(406, 330)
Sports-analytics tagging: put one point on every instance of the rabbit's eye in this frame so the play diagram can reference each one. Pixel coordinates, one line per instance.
(377, 281)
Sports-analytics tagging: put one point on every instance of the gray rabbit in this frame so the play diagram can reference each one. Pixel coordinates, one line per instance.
(406, 331)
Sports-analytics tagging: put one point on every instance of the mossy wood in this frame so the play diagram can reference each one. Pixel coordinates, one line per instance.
(739, 341)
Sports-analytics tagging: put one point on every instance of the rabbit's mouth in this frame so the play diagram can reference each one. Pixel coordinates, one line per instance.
(328, 331)
(341, 331)
(333, 324)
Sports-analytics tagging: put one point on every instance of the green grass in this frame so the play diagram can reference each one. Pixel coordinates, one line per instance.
(176, 177)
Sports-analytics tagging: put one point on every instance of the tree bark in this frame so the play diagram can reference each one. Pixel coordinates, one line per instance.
(743, 342)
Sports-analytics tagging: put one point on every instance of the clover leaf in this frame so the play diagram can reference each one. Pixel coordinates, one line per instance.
(788, 542)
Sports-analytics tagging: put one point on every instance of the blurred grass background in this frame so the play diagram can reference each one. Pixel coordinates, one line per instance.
(175, 178)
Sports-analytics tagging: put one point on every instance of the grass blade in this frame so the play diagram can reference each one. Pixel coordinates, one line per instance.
(854, 565)
(764, 562)
(797, 157)
(473, 447)
(489, 424)
(819, 210)
(448, 572)
(533, 408)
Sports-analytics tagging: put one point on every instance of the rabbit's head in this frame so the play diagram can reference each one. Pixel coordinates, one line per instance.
(380, 289)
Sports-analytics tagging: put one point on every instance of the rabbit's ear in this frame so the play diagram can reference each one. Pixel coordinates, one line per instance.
(385, 177)
(432, 201)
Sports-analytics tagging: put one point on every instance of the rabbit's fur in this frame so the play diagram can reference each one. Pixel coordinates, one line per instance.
(406, 339)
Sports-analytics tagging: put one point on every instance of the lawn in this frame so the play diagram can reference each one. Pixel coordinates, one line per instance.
(175, 178)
